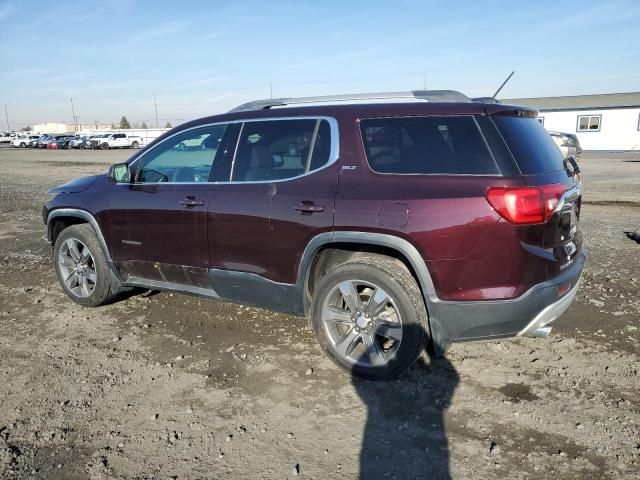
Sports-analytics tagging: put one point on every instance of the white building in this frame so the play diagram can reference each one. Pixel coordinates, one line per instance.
(602, 122)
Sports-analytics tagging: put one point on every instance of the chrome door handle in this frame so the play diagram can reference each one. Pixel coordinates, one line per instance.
(309, 207)
(191, 202)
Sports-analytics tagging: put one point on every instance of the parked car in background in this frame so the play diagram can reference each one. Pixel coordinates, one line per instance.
(78, 141)
(33, 143)
(94, 140)
(43, 142)
(568, 143)
(51, 139)
(23, 141)
(390, 226)
(62, 141)
(7, 137)
(117, 140)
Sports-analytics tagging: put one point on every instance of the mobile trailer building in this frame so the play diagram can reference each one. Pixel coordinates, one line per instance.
(608, 121)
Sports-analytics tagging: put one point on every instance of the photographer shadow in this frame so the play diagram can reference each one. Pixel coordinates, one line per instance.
(404, 436)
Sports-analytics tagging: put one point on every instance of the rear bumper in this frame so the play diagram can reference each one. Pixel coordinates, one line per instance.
(525, 315)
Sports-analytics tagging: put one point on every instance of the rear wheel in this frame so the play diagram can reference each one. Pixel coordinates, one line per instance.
(369, 316)
(82, 267)
(135, 145)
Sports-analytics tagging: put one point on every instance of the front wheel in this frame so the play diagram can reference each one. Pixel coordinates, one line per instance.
(105, 146)
(82, 267)
(369, 317)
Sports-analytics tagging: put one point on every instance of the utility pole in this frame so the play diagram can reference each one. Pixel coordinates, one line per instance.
(155, 105)
(425, 81)
(75, 119)
(6, 114)
(270, 91)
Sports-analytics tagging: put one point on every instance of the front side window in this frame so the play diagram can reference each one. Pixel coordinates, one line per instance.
(281, 149)
(427, 145)
(183, 158)
(541, 120)
(589, 123)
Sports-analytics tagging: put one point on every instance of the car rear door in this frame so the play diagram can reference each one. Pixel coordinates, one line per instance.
(276, 197)
(302, 206)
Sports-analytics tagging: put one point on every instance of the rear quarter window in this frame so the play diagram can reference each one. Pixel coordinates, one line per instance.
(531, 145)
(427, 145)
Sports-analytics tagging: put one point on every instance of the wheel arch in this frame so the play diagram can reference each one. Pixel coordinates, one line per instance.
(354, 242)
(61, 218)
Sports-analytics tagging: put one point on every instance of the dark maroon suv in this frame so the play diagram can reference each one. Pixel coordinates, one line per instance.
(392, 221)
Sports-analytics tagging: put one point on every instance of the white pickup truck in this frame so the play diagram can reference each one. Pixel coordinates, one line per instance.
(116, 140)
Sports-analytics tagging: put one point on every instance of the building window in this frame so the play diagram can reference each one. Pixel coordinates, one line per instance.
(541, 120)
(589, 123)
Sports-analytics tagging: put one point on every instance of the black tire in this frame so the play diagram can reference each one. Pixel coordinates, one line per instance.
(394, 278)
(23, 145)
(104, 287)
(135, 145)
(104, 146)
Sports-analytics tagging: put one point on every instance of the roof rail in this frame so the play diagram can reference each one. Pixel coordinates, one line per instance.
(427, 95)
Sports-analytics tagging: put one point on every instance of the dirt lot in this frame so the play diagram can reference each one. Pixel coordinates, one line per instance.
(167, 386)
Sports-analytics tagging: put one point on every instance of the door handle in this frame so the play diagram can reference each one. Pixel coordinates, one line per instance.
(191, 202)
(308, 208)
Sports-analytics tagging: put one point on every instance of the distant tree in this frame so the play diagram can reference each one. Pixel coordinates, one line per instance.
(168, 125)
(113, 126)
(144, 125)
(124, 123)
(135, 126)
(26, 129)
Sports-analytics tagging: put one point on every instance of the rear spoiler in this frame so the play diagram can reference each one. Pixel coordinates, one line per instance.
(509, 110)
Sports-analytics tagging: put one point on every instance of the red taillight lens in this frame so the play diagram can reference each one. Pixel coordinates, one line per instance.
(525, 205)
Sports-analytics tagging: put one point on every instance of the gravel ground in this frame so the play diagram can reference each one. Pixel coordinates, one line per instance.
(174, 387)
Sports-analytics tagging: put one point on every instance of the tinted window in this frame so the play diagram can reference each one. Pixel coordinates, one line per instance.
(280, 149)
(532, 147)
(436, 145)
(186, 157)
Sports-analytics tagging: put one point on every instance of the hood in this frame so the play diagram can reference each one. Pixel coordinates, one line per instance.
(76, 185)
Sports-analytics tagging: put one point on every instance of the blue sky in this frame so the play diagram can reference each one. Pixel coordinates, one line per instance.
(203, 57)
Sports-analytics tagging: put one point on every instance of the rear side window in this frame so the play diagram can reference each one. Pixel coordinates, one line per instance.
(427, 145)
(281, 149)
(532, 147)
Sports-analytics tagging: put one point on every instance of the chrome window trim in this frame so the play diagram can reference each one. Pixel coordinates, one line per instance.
(333, 155)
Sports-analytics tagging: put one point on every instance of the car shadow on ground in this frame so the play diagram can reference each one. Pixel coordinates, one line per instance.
(404, 435)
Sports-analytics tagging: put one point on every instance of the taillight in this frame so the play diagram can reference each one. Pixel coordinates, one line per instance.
(526, 205)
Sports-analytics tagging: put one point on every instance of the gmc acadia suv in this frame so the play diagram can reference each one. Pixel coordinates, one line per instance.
(391, 224)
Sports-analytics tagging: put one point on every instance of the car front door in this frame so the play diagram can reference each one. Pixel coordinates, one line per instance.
(158, 222)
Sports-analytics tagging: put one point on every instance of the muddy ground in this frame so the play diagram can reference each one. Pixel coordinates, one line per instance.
(167, 386)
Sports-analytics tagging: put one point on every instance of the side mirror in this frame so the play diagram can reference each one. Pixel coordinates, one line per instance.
(120, 173)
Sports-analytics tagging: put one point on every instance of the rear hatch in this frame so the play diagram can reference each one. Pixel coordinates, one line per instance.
(557, 235)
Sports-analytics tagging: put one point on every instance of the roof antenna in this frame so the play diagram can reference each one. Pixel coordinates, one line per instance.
(503, 84)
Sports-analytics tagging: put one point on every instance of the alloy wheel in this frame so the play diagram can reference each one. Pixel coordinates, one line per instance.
(77, 268)
(362, 323)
